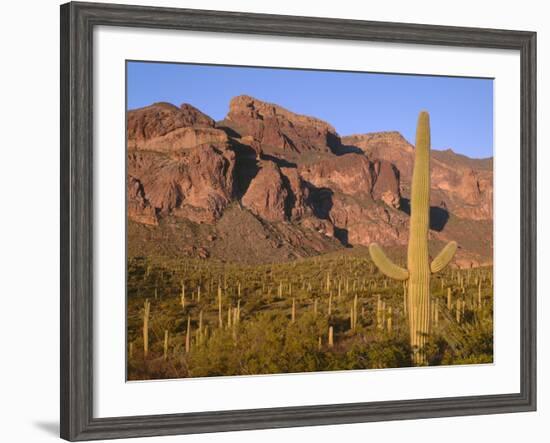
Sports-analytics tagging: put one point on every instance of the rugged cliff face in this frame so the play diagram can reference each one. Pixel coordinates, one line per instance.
(278, 129)
(179, 163)
(462, 185)
(289, 186)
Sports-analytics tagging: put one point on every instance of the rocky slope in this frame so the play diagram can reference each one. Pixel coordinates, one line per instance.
(461, 185)
(266, 184)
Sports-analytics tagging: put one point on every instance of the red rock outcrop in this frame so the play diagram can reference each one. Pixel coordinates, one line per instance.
(386, 183)
(163, 127)
(389, 145)
(355, 174)
(197, 185)
(139, 208)
(349, 174)
(324, 227)
(161, 118)
(462, 185)
(267, 194)
(366, 223)
(276, 128)
(466, 192)
(183, 164)
(298, 194)
(180, 139)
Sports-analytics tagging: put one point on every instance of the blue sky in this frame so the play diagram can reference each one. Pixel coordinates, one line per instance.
(461, 109)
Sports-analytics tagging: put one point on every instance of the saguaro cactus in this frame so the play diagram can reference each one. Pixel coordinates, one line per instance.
(146, 312)
(165, 344)
(188, 336)
(220, 320)
(418, 267)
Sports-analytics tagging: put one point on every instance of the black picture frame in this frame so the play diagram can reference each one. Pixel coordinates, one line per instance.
(77, 23)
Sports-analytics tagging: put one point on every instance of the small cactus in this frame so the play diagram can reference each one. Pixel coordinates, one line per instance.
(379, 313)
(354, 310)
(389, 322)
(146, 311)
(220, 319)
(405, 303)
(479, 303)
(188, 336)
(200, 326)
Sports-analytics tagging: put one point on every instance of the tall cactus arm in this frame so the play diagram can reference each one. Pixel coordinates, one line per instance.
(385, 265)
(444, 257)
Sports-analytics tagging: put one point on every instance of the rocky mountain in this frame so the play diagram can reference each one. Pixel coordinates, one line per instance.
(461, 185)
(279, 130)
(266, 184)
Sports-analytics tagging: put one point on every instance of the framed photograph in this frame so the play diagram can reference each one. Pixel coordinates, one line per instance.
(272, 221)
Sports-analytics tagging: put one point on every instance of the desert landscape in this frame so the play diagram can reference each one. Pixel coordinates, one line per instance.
(248, 245)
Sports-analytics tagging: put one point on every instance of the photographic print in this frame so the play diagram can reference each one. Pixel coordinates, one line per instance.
(292, 220)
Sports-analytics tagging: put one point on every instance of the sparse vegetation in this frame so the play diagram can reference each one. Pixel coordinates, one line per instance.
(209, 318)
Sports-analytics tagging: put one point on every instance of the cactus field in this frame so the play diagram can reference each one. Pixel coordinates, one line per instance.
(200, 318)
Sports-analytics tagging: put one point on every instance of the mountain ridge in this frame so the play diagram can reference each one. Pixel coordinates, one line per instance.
(310, 190)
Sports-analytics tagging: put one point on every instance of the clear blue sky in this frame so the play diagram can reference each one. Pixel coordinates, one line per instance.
(461, 109)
